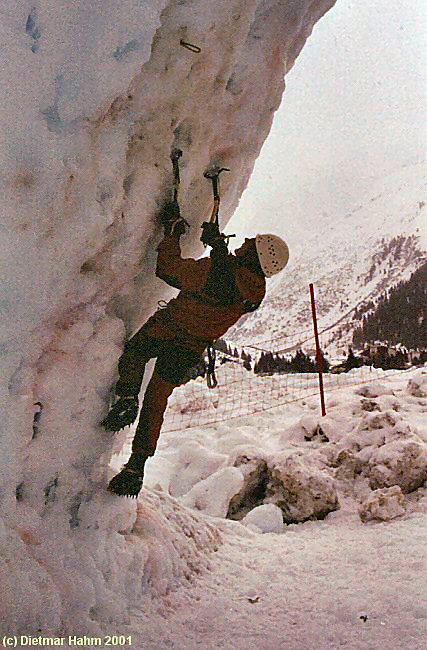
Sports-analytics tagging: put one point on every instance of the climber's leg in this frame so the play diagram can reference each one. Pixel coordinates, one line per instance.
(152, 413)
(129, 480)
(171, 370)
(137, 351)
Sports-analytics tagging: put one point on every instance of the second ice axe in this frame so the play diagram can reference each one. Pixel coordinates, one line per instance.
(210, 229)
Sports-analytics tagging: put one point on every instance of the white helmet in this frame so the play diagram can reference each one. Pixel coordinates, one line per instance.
(273, 253)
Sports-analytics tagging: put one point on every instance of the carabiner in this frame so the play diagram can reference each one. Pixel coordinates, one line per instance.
(190, 46)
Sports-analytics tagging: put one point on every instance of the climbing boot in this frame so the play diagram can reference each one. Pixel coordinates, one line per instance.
(128, 482)
(123, 413)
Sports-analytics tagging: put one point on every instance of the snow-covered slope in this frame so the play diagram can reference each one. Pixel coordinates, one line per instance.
(96, 96)
(351, 261)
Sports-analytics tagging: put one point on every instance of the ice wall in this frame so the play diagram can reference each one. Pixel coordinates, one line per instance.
(93, 100)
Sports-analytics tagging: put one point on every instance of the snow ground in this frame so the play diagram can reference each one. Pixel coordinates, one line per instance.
(307, 587)
(302, 590)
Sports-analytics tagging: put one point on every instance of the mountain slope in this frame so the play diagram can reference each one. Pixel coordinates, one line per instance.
(378, 243)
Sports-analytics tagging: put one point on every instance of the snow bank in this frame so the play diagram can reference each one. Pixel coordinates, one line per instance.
(104, 567)
(370, 448)
(95, 100)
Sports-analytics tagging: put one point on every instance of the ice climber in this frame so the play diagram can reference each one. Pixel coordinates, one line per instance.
(214, 293)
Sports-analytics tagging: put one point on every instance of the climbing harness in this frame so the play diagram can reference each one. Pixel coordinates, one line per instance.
(182, 336)
(190, 46)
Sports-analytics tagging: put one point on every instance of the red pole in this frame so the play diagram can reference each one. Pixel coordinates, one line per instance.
(318, 353)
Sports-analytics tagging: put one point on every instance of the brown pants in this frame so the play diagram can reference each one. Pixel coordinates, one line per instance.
(171, 370)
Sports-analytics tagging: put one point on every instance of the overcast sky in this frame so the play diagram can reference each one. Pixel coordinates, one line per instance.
(354, 109)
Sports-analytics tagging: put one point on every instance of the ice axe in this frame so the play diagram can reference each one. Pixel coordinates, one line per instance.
(210, 228)
(175, 156)
(170, 212)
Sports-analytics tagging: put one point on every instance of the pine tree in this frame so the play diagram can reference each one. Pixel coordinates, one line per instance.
(247, 364)
(325, 363)
(352, 361)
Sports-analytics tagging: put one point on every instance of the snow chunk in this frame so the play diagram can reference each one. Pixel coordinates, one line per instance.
(212, 496)
(369, 405)
(195, 464)
(383, 505)
(347, 465)
(400, 462)
(315, 428)
(268, 518)
(301, 489)
(373, 390)
(378, 421)
(417, 385)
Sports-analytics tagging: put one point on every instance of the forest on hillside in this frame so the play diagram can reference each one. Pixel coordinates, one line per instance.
(400, 316)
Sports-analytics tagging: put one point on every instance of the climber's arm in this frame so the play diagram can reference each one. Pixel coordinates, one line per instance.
(171, 267)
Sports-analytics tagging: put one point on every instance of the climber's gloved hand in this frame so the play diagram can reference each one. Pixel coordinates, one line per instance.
(178, 227)
(210, 234)
(172, 221)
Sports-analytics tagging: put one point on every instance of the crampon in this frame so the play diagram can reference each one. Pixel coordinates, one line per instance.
(123, 413)
(127, 483)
